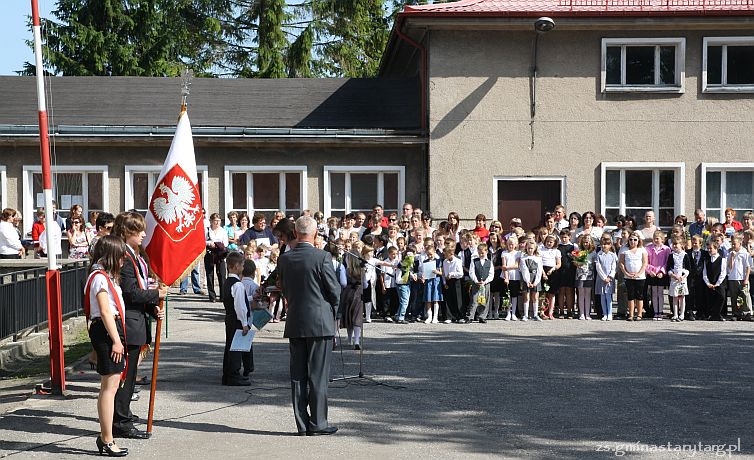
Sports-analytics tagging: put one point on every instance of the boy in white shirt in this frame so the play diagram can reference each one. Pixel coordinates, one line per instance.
(739, 269)
(481, 273)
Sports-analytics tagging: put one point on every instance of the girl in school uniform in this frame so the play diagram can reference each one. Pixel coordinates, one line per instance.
(606, 265)
(530, 266)
(657, 279)
(551, 261)
(105, 309)
(511, 275)
(566, 276)
(585, 276)
(433, 285)
(494, 244)
(678, 268)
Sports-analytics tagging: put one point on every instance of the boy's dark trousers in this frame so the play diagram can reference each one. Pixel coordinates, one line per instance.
(453, 300)
(715, 301)
(390, 298)
(697, 298)
(232, 360)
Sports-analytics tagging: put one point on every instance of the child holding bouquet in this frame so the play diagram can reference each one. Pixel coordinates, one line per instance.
(531, 276)
(584, 261)
(606, 266)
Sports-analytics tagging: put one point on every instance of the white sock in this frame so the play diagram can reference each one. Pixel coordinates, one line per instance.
(356, 335)
(368, 310)
(514, 306)
(435, 311)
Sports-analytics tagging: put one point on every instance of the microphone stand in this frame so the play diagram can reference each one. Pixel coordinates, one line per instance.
(360, 375)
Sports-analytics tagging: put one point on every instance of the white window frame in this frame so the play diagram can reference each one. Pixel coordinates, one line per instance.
(84, 170)
(250, 170)
(722, 168)
(495, 179)
(723, 87)
(130, 170)
(679, 183)
(348, 170)
(4, 188)
(680, 65)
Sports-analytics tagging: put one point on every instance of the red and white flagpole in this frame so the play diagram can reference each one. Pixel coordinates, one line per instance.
(54, 304)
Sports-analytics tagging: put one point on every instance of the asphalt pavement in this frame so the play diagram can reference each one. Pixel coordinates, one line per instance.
(564, 389)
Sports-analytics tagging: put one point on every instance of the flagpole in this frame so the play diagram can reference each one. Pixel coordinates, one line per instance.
(185, 83)
(52, 276)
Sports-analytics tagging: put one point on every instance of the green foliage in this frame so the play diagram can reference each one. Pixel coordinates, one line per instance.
(235, 38)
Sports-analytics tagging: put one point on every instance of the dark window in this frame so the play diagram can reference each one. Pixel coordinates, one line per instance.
(740, 65)
(667, 65)
(612, 65)
(640, 65)
(715, 65)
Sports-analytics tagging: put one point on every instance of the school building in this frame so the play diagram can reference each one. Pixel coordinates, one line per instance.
(505, 107)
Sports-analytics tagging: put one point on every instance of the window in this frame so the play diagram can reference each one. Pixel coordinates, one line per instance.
(141, 181)
(84, 185)
(727, 185)
(353, 188)
(632, 189)
(643, 64)
(728, 64)
(265, 189)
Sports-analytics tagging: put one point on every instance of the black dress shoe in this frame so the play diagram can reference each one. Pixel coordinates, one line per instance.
(237, 383)
(133, 433)
(326, 431)
(134, 397)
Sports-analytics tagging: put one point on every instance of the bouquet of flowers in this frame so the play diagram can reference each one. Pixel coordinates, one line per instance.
(505, 299)
(580, 257)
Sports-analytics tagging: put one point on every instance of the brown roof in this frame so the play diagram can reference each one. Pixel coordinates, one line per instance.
(377, 103)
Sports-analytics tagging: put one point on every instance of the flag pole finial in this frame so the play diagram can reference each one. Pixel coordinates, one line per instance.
(186, 76)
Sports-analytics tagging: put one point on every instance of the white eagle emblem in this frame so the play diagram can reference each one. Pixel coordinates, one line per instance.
(179, 205)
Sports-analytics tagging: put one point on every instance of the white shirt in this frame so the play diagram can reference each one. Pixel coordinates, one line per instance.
(250, 286)
(99, 284)
(238, 292)
(10, 243)
(57, 236)
(550, 257)
(510, 265)
(739, 265)
(452, 269)
(217, 236)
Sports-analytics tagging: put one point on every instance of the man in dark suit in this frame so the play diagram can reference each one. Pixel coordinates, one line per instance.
(308, 281)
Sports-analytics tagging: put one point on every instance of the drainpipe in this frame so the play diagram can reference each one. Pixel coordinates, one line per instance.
(423, 73)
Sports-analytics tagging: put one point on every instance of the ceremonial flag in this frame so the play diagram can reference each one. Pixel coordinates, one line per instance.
(175, 225)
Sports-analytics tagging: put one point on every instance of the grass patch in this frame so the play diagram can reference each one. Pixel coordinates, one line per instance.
(75, 347)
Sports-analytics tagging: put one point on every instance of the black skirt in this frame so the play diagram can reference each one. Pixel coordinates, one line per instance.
(103, 347)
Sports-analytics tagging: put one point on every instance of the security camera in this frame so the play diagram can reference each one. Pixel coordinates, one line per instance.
(544, 24)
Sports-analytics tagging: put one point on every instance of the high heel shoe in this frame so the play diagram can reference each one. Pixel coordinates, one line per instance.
(108, 448)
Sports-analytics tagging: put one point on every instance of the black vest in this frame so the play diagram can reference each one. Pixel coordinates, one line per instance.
(230, 308)
(481, 271)
(713, 268)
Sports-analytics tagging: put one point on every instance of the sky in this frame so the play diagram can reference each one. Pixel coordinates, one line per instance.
(13, 32)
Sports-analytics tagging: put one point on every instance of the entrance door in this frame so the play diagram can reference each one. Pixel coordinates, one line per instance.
(527, 200)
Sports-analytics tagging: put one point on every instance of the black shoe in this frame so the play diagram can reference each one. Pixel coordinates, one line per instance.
(133, 433)
(136, 419)
(355, 347)
(482, 321)
(326, 431)
(691, 318)
(237, 383)
(135, 397)
(107, 448)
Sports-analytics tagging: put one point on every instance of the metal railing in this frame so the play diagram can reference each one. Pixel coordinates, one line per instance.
(23, 298)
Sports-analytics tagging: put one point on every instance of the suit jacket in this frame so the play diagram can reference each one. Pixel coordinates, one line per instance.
(138, 302)
(309, 283)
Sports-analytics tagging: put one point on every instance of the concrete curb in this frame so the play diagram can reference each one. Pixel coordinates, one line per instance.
(36, 344)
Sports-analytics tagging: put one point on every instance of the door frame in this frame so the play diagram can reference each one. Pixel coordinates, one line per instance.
(495, 179)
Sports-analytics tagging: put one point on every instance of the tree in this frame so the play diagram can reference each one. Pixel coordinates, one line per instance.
(235, 38)
(135, 37)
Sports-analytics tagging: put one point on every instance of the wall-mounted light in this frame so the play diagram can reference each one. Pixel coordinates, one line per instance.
(541, 26)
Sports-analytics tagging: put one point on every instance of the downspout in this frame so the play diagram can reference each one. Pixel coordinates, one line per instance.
(423, 72)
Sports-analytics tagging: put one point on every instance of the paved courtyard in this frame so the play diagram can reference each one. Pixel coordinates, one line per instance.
(562, 389)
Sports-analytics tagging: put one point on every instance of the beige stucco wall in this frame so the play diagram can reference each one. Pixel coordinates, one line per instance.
(216, 156)
(480, 122)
